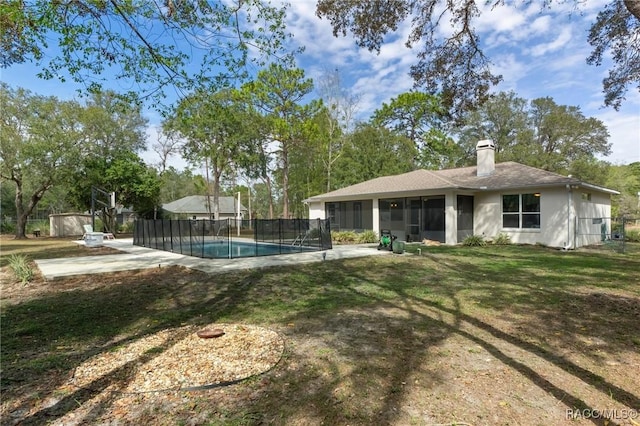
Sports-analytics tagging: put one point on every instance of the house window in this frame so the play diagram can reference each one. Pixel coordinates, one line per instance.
(586, 196)
(521, 211)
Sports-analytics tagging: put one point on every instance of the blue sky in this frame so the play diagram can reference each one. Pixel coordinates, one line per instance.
(538, 52)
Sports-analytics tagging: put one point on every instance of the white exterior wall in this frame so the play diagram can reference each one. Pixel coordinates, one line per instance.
(553, 218)
(487, 214)
(599, 207)
(68, 224)
(559, 209)
(450, 219)
(316, 210)
(376, 216)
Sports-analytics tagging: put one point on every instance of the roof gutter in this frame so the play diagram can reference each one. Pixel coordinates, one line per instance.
(599, 188)
(389, 194)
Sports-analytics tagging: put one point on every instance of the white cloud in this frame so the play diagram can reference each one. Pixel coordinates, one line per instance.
(558, 43)
(511, 69)
(500, 19)
(624, 131)
(540, 25)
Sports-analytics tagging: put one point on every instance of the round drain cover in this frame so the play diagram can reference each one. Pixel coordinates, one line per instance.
(208, 334)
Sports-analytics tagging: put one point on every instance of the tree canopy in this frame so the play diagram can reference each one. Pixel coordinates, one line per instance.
(41, 144)
(539, 133)
(149, 45)
(372, 151)
(278, 93)
(451, 60)
(419, 117)
(48, 143)
(215, 130)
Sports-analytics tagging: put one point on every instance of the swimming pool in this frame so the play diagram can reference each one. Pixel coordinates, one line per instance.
(228, 238)
(230, 249)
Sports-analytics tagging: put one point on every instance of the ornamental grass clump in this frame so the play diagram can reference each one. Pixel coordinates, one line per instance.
(21, 267)
(502, 240)
(368, 236)
(474, 241)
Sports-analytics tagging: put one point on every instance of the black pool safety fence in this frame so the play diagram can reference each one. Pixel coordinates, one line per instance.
(231, 238)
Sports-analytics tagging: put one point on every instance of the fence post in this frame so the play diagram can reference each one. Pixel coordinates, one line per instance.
(623, 233)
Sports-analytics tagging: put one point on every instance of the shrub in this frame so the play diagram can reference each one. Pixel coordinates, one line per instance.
(21, 267)
(343, 236)
(502, 239)
(7, 227)
(40, 225)
(474, 241)
(366, 237)
(126, 228)
(633, 235)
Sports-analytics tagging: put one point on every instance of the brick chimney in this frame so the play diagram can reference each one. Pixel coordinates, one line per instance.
(486, 157)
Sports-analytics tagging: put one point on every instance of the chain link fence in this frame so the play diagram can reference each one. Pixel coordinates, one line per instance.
(231, 238)
(608, 232)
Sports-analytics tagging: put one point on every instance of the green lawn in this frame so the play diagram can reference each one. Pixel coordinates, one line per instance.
(454, 334)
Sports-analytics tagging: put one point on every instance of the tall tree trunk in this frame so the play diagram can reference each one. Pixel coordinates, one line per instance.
(22, 214)
(267, 182)
(633, 6)
(285, 181)
(21, 217)
(217, 172)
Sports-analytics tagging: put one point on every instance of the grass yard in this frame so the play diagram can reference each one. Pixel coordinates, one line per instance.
(499, 335)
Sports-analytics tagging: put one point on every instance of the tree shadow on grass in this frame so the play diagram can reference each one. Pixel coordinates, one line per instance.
(414, 318)
(578, 315)
(372, 325)
(546, 300)
(46, 336)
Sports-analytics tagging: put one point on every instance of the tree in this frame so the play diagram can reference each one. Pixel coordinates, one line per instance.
(178, 184)
(372, 152)
(626, 180)
(151, 45)
(211, 126)
(308, 171)
(616, 31)
(503, 118)
(113, 130)
(166, 146)
(110, 124)
(134, 183)
(420, 117)
(41, 144)
(278, 93)
(340, 106)
(122, 172)
(539, 133)
(455, 65)
(560, 135)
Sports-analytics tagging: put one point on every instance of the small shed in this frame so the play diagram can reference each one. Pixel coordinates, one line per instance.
(68, 224)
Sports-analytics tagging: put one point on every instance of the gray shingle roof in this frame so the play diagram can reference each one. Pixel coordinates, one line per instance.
(197, 204)
(506, 175)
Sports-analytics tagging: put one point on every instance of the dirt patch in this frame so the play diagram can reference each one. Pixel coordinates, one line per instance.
(177, 359)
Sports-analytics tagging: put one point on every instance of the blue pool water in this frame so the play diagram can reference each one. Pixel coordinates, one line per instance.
(224, 249)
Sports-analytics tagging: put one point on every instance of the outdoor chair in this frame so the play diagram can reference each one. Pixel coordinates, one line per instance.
(88, 229)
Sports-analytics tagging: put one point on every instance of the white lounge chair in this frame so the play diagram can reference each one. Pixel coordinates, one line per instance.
(88, 229)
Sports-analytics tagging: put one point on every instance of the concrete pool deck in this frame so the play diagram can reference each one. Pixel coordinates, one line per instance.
(135, 257)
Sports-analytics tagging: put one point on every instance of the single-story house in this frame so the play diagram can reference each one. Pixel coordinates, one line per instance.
(201, 207)
(530, 205)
